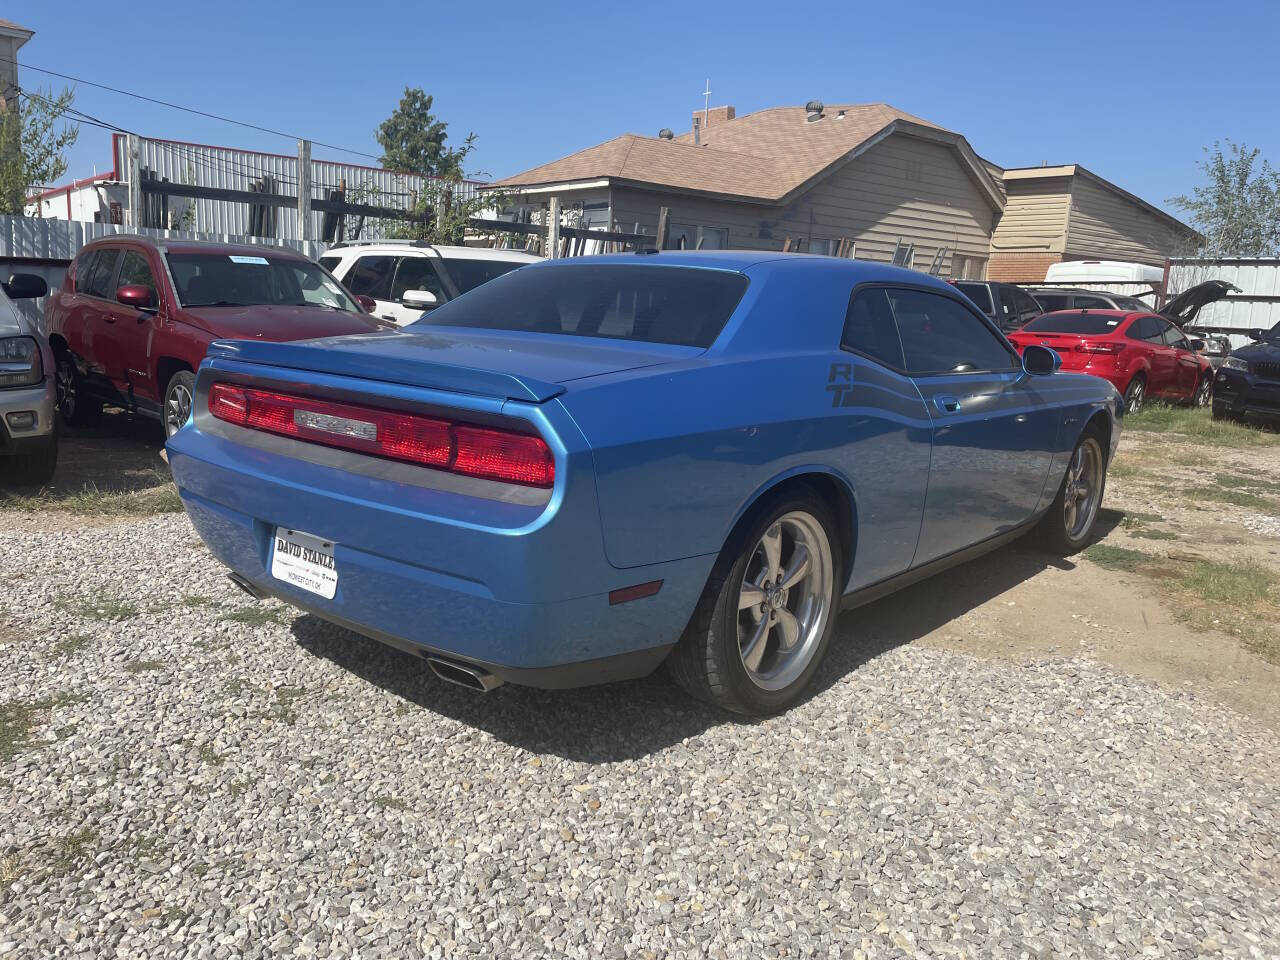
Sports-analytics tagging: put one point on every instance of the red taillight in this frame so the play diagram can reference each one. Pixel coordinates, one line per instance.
(460, 448)
(1109, 349)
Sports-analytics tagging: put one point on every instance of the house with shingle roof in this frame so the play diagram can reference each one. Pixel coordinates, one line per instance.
(895, 185)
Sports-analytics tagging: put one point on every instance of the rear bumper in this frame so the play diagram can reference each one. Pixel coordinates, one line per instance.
(1240, 393)
(37, 400)
(520, 591)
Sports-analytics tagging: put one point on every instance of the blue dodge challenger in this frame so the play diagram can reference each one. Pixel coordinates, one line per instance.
(586, 468)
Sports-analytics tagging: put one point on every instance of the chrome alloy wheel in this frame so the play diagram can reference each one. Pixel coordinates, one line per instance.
(177, 407)
(1084, 489)
(1204, 391)
(785, 600)
(1135, 395)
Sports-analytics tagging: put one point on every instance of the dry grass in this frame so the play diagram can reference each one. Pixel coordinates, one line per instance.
(1197, 424)
(90, 501)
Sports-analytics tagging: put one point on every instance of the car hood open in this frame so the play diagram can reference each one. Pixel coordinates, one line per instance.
(1183, 308)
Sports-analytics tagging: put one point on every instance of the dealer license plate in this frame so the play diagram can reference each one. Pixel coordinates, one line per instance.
(304, 561)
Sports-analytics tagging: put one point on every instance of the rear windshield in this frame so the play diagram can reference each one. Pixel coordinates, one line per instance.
(979, 294)
(1131, 303)
(469, 274)
(688, 306)
(1073, 323)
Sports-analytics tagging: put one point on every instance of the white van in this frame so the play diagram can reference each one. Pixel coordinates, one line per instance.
(1075, 272)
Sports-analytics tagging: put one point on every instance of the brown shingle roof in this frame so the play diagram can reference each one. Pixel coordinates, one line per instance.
(760, 156)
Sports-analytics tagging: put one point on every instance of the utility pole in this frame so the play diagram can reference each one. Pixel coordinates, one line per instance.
(553, 228)
(133, 175)
(706, 104)
(304, 189)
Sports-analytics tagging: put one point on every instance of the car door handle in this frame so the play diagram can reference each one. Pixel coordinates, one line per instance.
(389, 316)
(946, 404)
(108, 318)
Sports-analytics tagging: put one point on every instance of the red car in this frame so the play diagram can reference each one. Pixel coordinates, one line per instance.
(134, 317)
(1143, 354)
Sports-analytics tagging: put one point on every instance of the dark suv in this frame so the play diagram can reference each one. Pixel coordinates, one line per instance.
(1009, 306)
(1077, 298)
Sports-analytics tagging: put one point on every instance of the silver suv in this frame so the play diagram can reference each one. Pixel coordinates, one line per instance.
(28, 440)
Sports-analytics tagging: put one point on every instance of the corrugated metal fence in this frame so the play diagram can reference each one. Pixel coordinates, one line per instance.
(46, 247)
(1256, 305)
(231, 169)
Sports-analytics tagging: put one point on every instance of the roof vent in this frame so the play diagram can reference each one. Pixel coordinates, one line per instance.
(814, 110)
(666, 134)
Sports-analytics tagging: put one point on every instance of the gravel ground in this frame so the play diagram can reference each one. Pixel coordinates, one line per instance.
(199, 786)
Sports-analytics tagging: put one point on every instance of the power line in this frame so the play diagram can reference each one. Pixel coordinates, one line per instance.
(178, 106)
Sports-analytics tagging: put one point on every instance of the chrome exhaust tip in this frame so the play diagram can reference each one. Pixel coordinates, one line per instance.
(463, 674)
(246, 586)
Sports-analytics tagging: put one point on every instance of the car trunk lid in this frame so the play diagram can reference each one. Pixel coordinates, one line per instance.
(516, 366)
(1073, 348)
(1183, 308)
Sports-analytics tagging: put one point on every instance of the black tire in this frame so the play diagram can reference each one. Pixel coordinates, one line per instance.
(1052, 532)
(36, 467)
(1135, 394)
(1202, 396)
(179, 393)
(708, 662)
(75, 407)
(1222, 413)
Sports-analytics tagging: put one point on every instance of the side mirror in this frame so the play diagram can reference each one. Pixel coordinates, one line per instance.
(1257, 333)
(422, 299)
(1198, 346)
(367, 304)
(26, 286)
(137, 296)
(1040, 361)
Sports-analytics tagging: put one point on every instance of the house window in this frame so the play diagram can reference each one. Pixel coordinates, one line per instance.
(688, 236)
(825, 247)
(968, 268)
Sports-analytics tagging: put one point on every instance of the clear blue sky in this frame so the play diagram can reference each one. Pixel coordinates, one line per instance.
(1131, 90)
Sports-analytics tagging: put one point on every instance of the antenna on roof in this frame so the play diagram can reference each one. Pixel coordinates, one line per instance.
(706, 103)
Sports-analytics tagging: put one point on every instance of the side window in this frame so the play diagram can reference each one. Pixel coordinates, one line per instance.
(1173, 337)
(135, 269)
(1053, 301)
(1027, 307)
(371, 277)
(1008, 306)
(329, 263)
(416, 273)
(941, 336)
(104, 270)
(1146, 328)
(869, 328)
(84, 270)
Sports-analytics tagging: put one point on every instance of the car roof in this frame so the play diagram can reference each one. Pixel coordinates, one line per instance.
(166, 245)
(402, 248)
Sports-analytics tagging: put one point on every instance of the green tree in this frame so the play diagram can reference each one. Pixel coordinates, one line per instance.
(33, 145)
(413, 140)
(1237, 208)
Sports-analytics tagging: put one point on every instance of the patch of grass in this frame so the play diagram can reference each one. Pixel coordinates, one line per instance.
(142, 666)
(1197, 424)
(210, 756)
(237, 787)
(1235, 583)
(18, 719)
(1146, 533)
(1212, 493)
(195, 600)
(388, 802)
(257, 616)
(283, 709)
(1116, 558)
(1240, 599)
(145, 847)
(1135, 518)
(1124, 469)
(96, 608)
(65, 647)
(1258, 481)
(90, 501)
(73, 848)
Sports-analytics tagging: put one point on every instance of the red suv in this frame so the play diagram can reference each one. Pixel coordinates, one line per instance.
(134, 317)
(1141, 353)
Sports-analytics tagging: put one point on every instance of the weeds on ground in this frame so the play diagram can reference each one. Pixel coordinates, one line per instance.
(142, 666)
(388, 802)
(1123, 468)
(260, 616)
(18, 719)
(283, 709)
(66, 646)
(73, 848)
(90, 501)
(96, 608)
(210, 756)
(1213, 493)
(1241, 599)
(1197, 423)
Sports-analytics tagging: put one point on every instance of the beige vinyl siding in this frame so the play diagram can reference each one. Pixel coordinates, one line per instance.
(902, 187)
(1035, 217)
(1106, 225)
